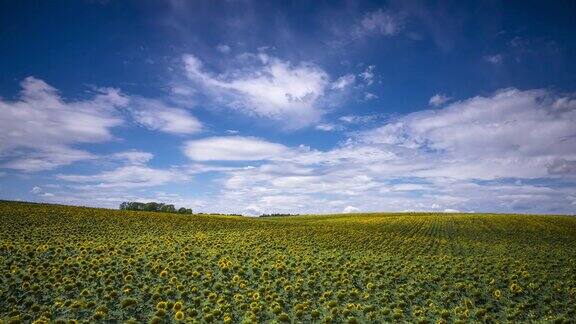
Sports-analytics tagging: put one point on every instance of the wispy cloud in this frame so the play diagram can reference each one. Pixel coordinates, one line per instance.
(379, 22)
(130, 176)
(133, 157)
(358, 119)
(156, 115)
(133, 173)
(344, 81)
(232, 148)
(368, 74)
(39, 129)
(328, 127)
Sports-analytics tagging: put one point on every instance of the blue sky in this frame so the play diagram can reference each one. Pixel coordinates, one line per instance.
(294, 107)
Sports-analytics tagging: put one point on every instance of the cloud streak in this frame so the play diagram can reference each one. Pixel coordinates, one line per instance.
(232, 148)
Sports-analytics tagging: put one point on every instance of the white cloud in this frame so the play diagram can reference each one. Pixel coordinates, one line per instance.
(510, 134)
(232, 148)
(438, 100)
(358, 119)
(130, 171)
(129, 176)
(368, 74)
(350, 210)
(565, 103)
(40, 192)
(327, 127)
(344, 81)
(156, 115)
(378, 22)
(370, 96)
(459, 157)
(466, 155)
(265, 86)
(45, 158)
(39, 128)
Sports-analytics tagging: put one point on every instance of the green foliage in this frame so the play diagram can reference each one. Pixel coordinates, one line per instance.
(154, 207)
(70, 264)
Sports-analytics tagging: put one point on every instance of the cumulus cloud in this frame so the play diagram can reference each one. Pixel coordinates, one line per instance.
(438, 100)
(39, 128)
(156, 115)
(459, 157)
(232, 148)
(511, 151)
(489, 134)
(38, 191)
(350, 209)
(565, 103)
(265, 86)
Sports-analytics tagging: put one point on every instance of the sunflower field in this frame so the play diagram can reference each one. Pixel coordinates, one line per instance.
(70, 264)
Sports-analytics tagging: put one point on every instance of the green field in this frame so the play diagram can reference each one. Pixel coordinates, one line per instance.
(85, 264)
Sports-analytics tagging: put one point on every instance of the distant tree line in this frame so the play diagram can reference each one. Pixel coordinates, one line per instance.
(278, 215)
(154, 207)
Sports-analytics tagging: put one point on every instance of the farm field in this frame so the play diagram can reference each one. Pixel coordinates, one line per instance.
(68, 264)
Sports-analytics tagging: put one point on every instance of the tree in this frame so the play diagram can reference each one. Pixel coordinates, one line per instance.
(168, 209)
(153, 207)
